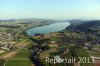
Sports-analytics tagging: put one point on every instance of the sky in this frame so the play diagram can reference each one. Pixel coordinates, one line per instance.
(50, 9)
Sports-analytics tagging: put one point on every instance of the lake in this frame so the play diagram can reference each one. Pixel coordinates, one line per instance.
(55, 27)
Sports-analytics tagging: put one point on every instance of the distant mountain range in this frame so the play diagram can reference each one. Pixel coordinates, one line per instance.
(29, 20)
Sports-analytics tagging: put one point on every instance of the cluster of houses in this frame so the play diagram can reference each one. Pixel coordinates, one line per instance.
(6, 42)
(8, 46)
(4, 36)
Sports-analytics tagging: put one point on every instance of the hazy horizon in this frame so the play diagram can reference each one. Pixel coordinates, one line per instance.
(50, 9)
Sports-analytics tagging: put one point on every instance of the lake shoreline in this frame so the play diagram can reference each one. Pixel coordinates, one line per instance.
(55, 27)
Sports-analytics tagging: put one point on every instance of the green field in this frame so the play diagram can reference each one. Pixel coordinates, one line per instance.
(3, 29)
(23, 54)
(18, 63)
(21, 59)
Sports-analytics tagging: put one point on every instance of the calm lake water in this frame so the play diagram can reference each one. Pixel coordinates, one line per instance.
(55, 27)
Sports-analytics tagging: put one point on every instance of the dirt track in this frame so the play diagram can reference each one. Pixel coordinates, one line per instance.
(9, 55)
(2, 51)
